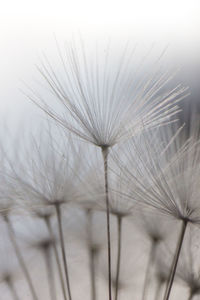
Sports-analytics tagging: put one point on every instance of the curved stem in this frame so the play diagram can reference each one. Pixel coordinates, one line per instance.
(20, 257)
(119, 244)
(148, 268)
(175, 261)
(48, 223)
(105, 158)
(59, 218)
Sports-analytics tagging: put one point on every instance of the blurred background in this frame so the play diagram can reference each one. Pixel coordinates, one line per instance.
(28, 29)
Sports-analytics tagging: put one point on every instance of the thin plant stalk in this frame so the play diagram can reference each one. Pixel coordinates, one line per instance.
(92, 254)
(175, 260)
(50, 273)
(20, 258)
(48, 223)
(148, 269)
(119, 245)
(159, 290)
(191, 295)
(12, 289)
(59, 218)
(105, 158)
(92, 274)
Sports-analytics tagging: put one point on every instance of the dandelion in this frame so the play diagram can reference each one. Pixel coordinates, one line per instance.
(105, 102)
(50, 181)
(165, 179)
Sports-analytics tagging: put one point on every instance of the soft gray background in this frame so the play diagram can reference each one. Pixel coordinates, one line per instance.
(27, 29)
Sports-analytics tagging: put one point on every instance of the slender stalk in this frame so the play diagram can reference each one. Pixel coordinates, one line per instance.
(105, 158)
(147, 273)
(50, 273)
(48, 223)
(20, 258)
(59, 218)
(92, 274)
(119, 244)
(92, 254)
(191, 295)
(12, 289)
(175, 261)
(158, 290)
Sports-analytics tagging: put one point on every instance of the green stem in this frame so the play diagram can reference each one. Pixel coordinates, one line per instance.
(175, 260)
(48, 223)
(105, 158)
(119, 244)
(59, 218)
(20, 258)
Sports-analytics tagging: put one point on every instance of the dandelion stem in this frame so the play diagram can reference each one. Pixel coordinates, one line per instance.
(59, 218)
(12, 289)
(158, 290)
(92, 274)
(50, 274)
(105, 158)
(119, 244)
(175, 260)
(20, 257)
(48, 223)
(92, 254)
(191, 295)
(148, 268)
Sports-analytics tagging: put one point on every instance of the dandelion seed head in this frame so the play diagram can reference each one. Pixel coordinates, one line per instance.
(164, 176)
(105, 100)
